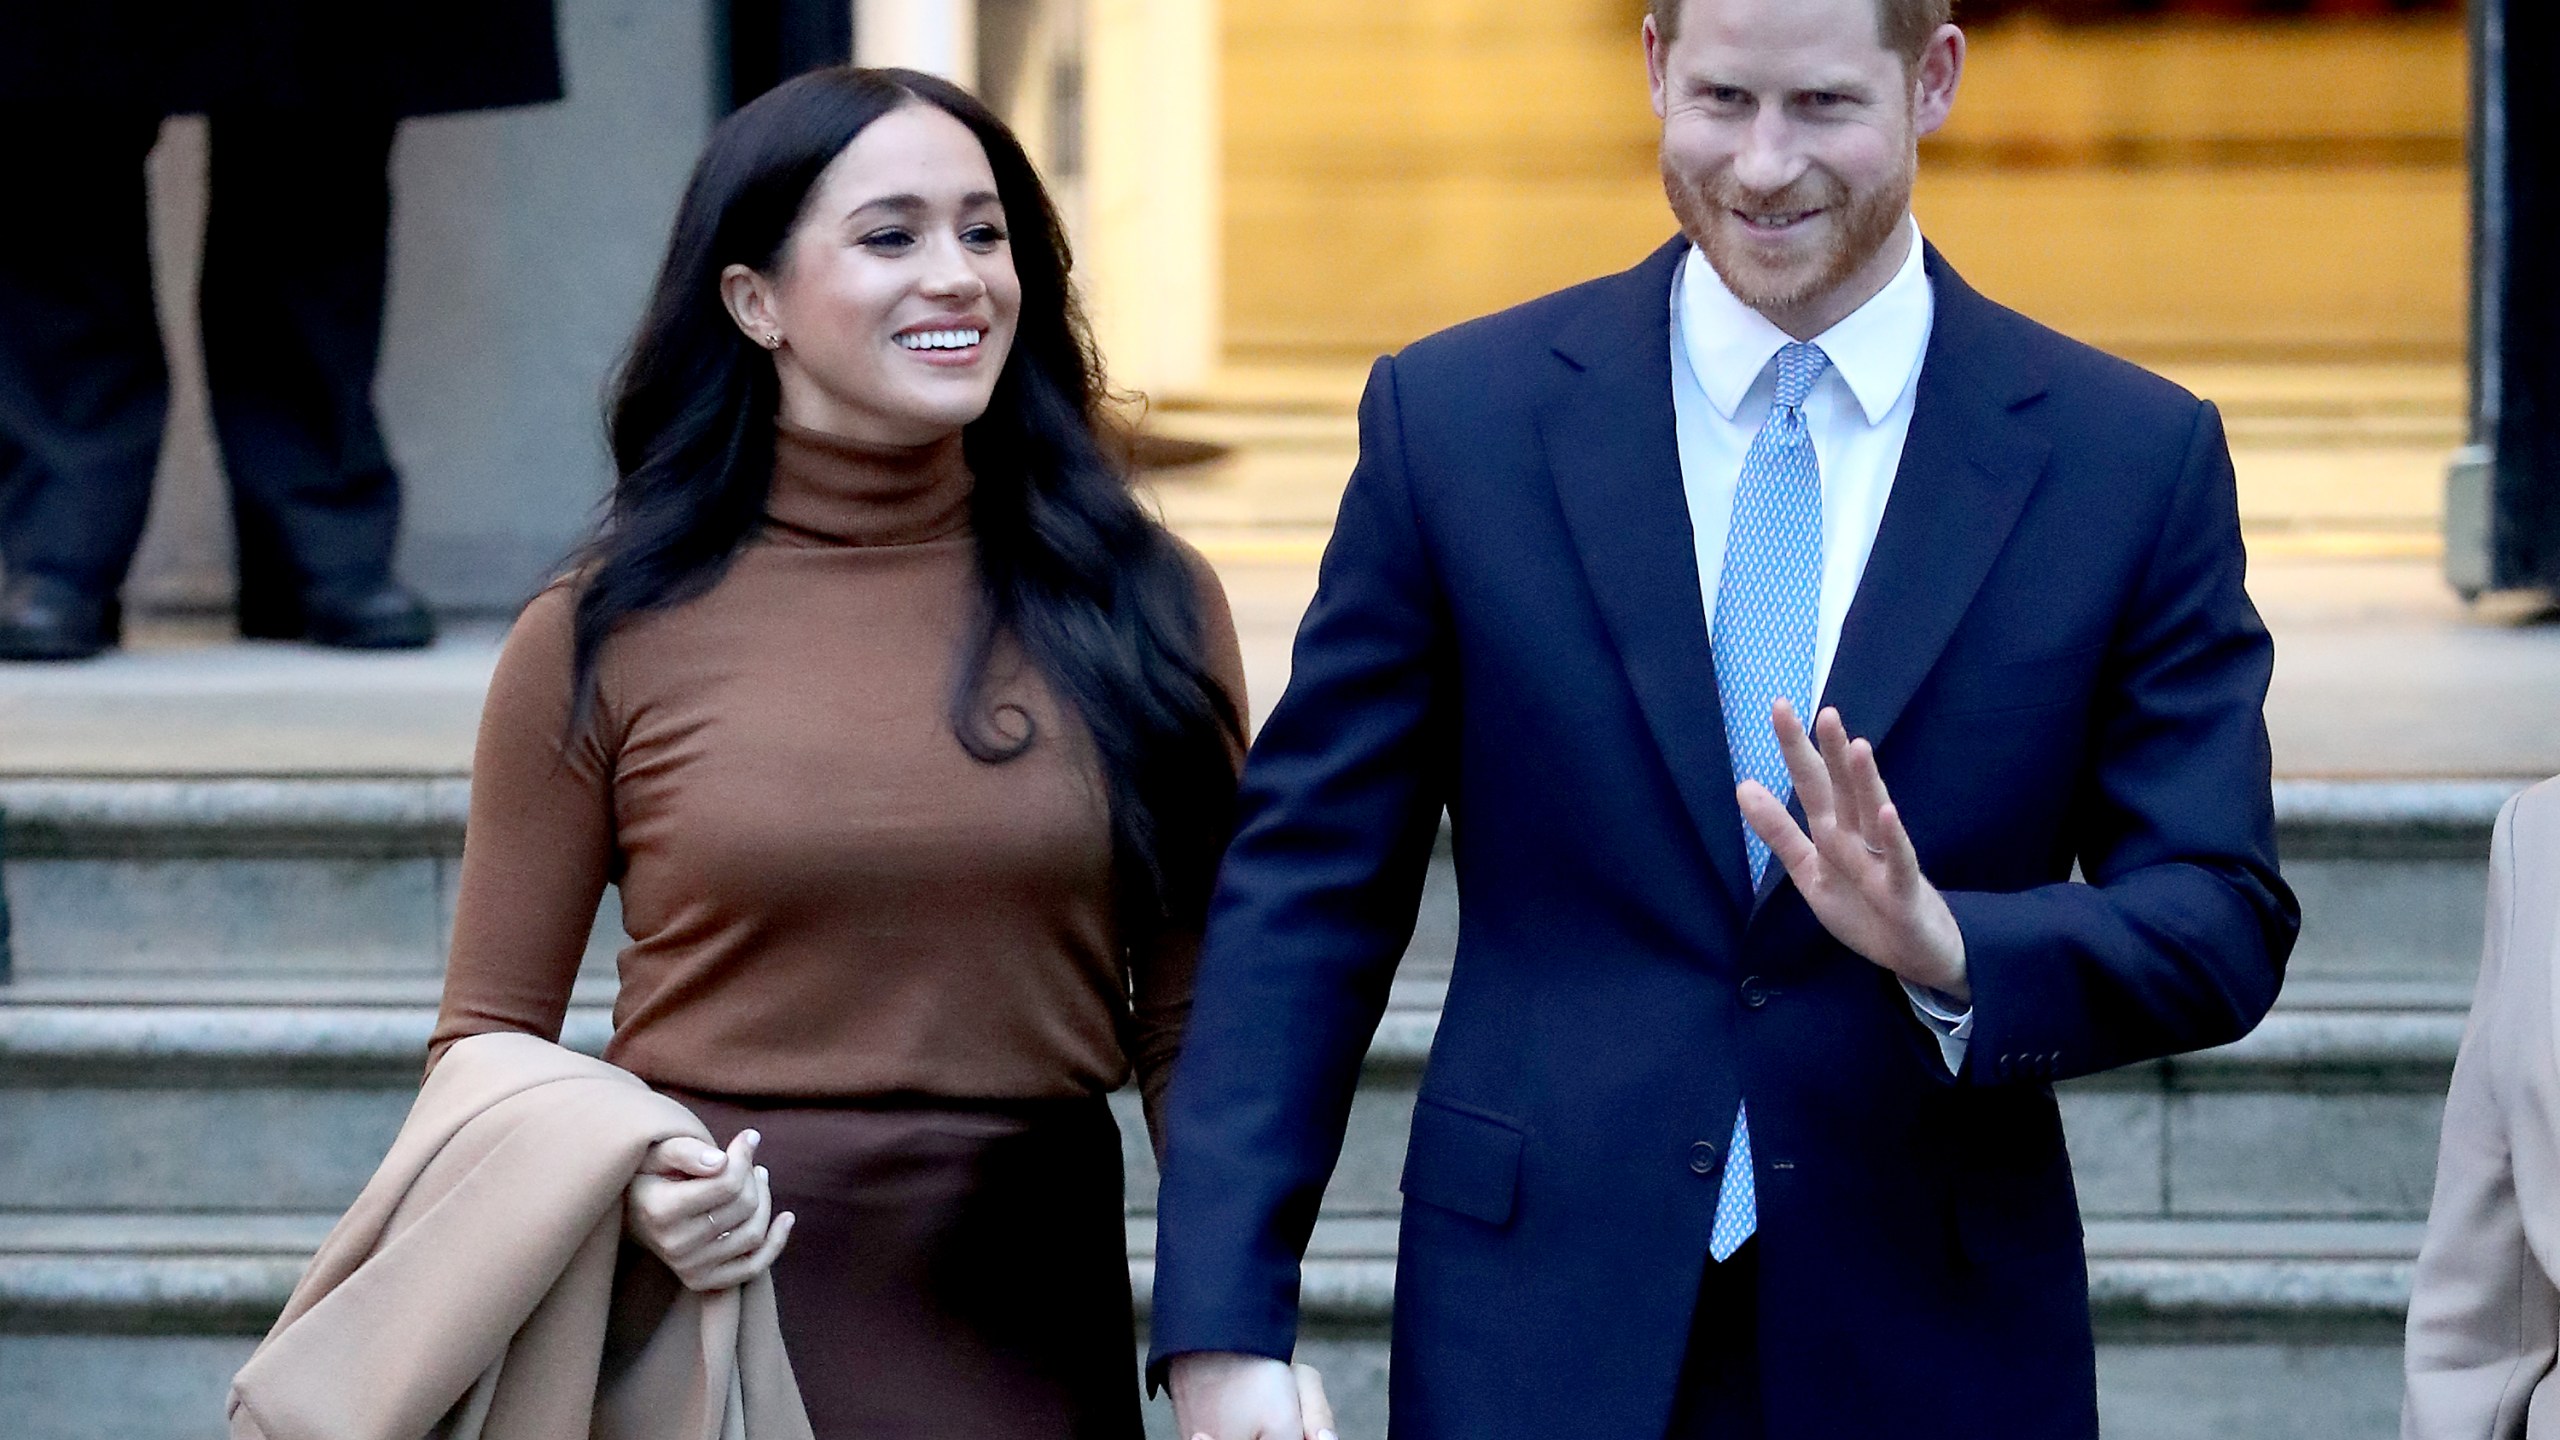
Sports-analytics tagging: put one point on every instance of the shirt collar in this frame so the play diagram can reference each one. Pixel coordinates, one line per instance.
(1877, 349)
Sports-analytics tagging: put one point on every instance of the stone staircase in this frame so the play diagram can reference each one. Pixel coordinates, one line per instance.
(217, 991)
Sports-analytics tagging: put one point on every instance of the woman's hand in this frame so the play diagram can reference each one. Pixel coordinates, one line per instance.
(707, 1213)
(1219, 1396)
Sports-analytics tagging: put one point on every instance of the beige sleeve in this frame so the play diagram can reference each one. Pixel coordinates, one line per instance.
(2484, 1322)
(1161, 977)
(540, 847)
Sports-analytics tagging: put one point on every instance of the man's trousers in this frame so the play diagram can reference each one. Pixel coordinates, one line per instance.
(1719, 1397)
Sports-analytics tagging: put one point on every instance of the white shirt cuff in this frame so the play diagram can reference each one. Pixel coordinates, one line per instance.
(1950, 1024)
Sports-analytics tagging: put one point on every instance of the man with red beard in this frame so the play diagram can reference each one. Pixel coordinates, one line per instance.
(1740, 1117)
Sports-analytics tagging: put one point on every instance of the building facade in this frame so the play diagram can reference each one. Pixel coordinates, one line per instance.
(1316, 182)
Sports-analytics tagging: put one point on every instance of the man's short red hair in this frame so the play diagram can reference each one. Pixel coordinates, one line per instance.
(1906, 25)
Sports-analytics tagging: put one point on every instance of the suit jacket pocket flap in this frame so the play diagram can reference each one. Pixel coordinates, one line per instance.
(1463, 1159)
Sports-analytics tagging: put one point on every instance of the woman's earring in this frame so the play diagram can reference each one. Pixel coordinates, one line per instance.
(773, 342)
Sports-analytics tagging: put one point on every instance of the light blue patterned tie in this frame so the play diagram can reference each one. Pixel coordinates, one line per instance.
(1767, 604)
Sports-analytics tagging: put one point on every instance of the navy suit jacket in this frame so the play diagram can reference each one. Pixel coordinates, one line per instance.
(2054, 655)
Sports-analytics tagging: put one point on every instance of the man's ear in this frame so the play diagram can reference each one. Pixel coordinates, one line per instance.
(1657, 58)
(1935, 78)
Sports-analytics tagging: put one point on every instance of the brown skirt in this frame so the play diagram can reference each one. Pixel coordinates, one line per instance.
(956, 1270)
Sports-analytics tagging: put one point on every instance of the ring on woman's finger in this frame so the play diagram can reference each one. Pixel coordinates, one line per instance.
(1872, 847)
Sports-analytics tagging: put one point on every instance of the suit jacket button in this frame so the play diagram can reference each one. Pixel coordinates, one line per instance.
(1754, 993)
(1702, 1157)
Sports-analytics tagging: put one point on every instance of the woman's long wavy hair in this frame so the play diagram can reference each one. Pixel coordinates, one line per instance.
(1088, 586)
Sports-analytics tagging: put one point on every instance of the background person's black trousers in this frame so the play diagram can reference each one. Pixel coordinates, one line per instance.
(294, 266)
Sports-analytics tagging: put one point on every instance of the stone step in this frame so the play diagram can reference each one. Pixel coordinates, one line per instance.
(114, 1273)
(2392, 875)
(172, 1150)
(355, 877)
(222, 989)
(109, 1093)
(182, 1299)
(235, 876)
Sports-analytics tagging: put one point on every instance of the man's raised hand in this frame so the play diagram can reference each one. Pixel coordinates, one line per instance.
(1856, 868)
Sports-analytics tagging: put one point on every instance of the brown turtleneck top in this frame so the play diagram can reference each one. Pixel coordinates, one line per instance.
(826, 896)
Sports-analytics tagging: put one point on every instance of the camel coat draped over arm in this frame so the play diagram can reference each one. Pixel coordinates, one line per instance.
(479, 1290)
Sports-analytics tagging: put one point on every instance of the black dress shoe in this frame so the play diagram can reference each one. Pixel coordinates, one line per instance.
(386, 617)
(42, 618)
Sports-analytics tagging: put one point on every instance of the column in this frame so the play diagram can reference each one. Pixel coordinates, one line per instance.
(1148, 247)
(939, 37)
(2502, 510)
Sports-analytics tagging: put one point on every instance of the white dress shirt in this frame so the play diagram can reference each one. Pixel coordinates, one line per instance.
(1859, 415)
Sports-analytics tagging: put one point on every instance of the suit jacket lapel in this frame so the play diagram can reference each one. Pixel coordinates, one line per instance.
(1615, 455)
(1967, 469)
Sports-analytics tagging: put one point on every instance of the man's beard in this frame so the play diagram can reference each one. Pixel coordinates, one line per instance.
(1861, 224)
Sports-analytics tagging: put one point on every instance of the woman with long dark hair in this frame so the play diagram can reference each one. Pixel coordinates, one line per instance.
(910, 741)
